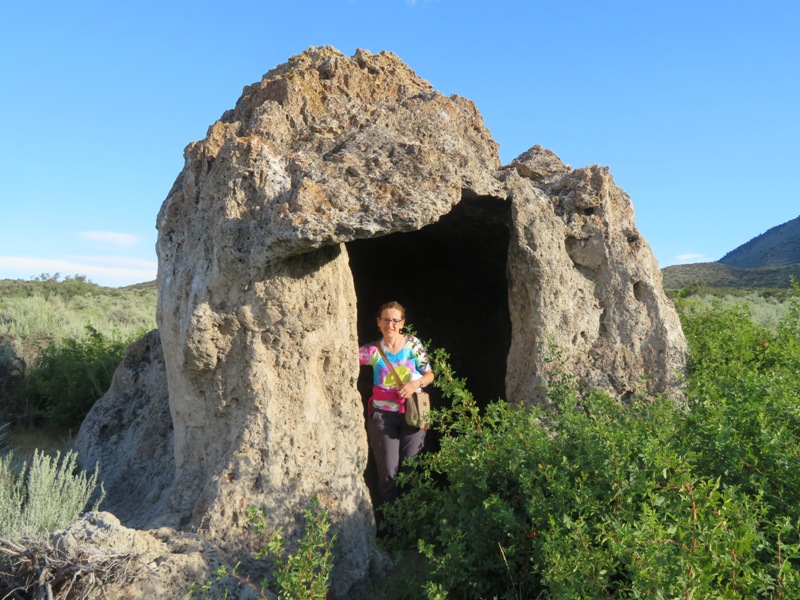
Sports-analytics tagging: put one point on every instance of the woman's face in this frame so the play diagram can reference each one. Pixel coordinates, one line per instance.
(390, 322)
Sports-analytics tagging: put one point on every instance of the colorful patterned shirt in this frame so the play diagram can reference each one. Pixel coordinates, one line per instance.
(410, 363)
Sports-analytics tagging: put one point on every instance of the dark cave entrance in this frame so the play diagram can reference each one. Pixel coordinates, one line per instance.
(451, 277)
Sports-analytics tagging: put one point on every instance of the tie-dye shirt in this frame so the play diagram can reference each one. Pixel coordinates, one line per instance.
(410, 363)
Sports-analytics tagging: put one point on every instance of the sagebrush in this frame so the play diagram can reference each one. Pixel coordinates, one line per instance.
(60, 341)
(44, 495)
(50, 309)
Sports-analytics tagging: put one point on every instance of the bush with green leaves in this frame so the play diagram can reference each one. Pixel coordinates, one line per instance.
(592, 499)
(745, 386)
(69, 376)
(299, 575)
(35, 313)
(45, 495)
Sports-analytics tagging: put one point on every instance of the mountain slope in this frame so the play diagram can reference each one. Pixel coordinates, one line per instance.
(767, 261)
(775, 247)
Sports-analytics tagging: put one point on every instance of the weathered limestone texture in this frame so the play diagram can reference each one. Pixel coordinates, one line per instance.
(257, 307)
(273, 237)
(584, 280)
(128, 436)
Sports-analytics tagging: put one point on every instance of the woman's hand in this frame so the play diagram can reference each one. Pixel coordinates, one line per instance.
(408, 389)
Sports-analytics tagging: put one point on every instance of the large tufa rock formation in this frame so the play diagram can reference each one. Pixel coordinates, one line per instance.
(128, 435)
(582, 278)
(337, 183)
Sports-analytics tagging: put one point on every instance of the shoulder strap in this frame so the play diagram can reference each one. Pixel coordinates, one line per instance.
(388, 363)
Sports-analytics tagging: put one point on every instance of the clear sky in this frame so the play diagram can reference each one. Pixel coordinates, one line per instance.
(693, 104)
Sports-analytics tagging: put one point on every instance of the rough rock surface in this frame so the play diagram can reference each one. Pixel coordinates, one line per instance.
(583, 279)
(12, 365)
(272, 247)
(257, 308)
(165, 562)
(128, 436)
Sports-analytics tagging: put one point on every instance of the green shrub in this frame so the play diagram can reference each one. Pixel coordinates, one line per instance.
(47, 321)
(71, 285)
(590, 499)
(302, 574)
(70, 376)
(46, 495)
(35, 313)
(765, 306)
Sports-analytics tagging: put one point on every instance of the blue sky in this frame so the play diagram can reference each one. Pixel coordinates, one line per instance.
(694, 106)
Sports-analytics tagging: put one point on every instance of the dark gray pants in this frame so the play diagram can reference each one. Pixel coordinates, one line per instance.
(391, 440)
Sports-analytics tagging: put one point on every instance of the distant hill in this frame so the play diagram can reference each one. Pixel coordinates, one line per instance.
(717, 275)
(147, 285)
(766, 261)
(774, 248)
(70, 286)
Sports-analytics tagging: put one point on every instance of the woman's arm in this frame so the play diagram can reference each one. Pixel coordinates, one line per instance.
(412, 386)
(427, 378)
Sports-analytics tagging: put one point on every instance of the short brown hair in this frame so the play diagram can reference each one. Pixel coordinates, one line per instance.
(392, 304)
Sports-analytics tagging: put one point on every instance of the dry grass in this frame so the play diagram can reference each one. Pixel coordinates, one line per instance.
(25, 440)
(34, 568)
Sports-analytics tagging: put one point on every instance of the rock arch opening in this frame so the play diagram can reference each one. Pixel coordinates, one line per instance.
(451, 276)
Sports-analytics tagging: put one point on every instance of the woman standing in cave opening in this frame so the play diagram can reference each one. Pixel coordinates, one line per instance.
(392, 440)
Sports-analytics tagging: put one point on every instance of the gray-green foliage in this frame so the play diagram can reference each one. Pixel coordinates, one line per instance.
(718, 275)
(68, 337)
(37, 312)
(45, 495)
(764, 309)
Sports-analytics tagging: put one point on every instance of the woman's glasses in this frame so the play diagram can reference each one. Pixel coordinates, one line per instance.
(392, 321)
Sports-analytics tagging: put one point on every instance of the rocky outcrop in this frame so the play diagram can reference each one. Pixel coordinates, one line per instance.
(585, 285)
(335, 184)
(128, 435)
(257, 307)
(160, 563)
(12, 366)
